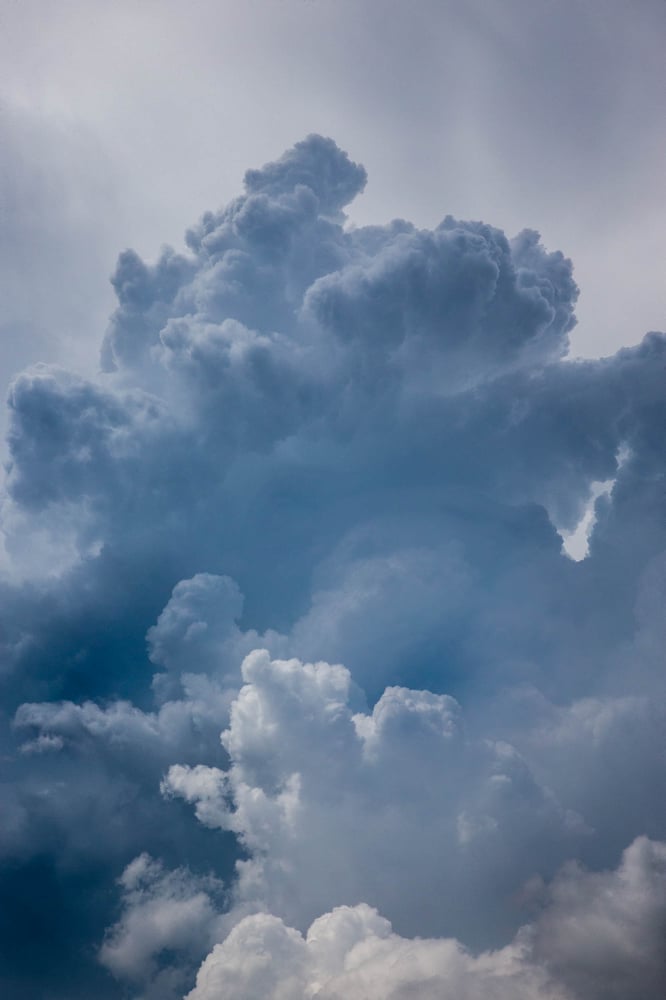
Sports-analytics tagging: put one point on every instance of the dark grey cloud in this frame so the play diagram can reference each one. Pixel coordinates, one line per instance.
(355, 449)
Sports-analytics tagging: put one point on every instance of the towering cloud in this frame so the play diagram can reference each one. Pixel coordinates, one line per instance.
(314, 502)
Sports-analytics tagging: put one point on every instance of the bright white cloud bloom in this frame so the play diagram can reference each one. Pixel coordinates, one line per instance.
(328, 802)
(352, 953)
(598, 937)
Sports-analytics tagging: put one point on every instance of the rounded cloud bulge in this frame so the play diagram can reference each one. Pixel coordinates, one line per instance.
(302, 687)
(594, 939)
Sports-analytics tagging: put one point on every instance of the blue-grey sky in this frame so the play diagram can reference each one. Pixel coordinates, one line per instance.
(334, 538)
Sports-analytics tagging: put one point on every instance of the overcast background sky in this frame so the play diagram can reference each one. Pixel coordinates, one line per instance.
(120, 123)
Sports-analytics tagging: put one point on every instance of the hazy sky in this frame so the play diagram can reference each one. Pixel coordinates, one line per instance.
(123, 122)
(333, 558)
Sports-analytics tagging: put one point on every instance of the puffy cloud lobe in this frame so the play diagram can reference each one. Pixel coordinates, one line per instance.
(76, 443)
(68, 427)
(197, 637)
(147, 296)
(253, 259)
(441, 298)
(352, 953)
(202, 610)
(316, 163)
(327, 801)
(164, 911)
(122, 726)
(598, 935)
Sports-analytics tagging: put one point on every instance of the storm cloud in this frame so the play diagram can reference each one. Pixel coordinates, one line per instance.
(315, 501)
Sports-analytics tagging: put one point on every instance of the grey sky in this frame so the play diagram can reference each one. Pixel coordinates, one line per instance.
(122, 122)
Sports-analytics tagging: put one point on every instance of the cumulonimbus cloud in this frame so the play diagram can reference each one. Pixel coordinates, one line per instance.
(314, 501)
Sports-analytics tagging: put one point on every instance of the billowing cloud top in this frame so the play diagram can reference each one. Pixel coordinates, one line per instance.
(317, 501)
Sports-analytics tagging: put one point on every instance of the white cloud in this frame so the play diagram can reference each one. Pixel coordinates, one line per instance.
(163, 911)
(598, 936)
(328, 801)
